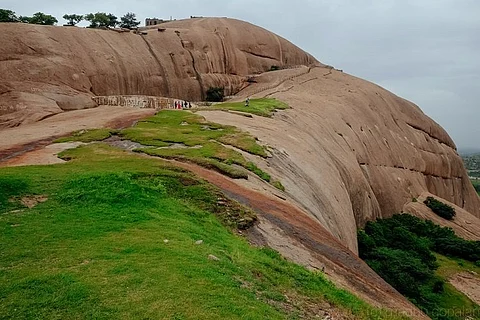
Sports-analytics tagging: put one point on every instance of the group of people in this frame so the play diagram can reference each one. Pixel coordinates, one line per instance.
(182, 105)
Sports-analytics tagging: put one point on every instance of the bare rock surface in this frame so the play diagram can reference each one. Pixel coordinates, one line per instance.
(47, 70)
(349, 151)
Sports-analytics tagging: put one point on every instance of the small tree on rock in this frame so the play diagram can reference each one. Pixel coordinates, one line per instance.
(441, 209)
(8, 16)
(73, 19)
(112, 20)
(215, 94)
(40, 18)
(129, 21)
(101, 19)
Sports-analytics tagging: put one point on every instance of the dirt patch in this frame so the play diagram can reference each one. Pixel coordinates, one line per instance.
(468, 284)
(15, 142)
(32, 201)
(43, 156)
(307, 308)
(128, 145)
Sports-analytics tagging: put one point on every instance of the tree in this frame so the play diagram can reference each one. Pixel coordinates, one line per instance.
(40, 18)
(215, 94)
(441, 209)
(101, 19)
(129, 21)
(73, 19)
(112, 20)
(8, 16)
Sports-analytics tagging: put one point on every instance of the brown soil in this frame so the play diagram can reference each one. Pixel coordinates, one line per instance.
(33, 201)
(15, 142)
(39, 156)
(467, 283)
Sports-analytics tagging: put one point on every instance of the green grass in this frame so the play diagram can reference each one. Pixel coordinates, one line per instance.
(450, 266)
(264, 107)
(203, 141)
(96, 250)
(12, 188)
(197, 156)
(88, 135)
(175, 126)
(451, 299)
(476, 185)
(277, 184)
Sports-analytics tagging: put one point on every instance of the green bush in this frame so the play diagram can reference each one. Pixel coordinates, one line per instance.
(274, 68)
(477, 187)
(215, 94)
(400, 249)
(441, 209)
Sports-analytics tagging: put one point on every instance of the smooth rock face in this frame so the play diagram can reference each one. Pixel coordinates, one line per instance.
(47, 70)
(347, 152)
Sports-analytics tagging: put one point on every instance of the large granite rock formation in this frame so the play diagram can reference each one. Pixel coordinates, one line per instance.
(47, 70)
(348, 151)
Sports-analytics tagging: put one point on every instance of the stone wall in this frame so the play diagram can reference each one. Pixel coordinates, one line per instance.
(136, 101)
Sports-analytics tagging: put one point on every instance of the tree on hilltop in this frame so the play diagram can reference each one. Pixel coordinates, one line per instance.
(129, 21)
(101, 19)
(8, 16)
(112, 20)
(40, 18)
(73, 19)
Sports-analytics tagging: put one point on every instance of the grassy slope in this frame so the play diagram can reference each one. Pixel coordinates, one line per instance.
(452, 299)
(96, 248)
(88, 135)
(476, 185)
(264, 107)
(204, 141)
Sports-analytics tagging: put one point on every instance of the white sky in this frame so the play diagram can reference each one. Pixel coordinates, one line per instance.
(426, 51)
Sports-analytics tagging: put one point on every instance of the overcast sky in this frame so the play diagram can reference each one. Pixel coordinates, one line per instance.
(427, 51)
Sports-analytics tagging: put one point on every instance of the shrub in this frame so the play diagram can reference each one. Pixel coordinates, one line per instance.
(215, 94)
(8, 16)
(400, 249)
(441, 209)
(438, 286)
(477, 187)
(274, 68)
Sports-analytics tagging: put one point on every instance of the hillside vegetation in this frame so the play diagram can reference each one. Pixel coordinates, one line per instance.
(114, 235)
(403, 250)
(472, 164)
(264, 107)
(185, 136)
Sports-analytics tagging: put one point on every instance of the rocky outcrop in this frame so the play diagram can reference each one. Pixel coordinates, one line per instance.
(47, 70)
(349, 151)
